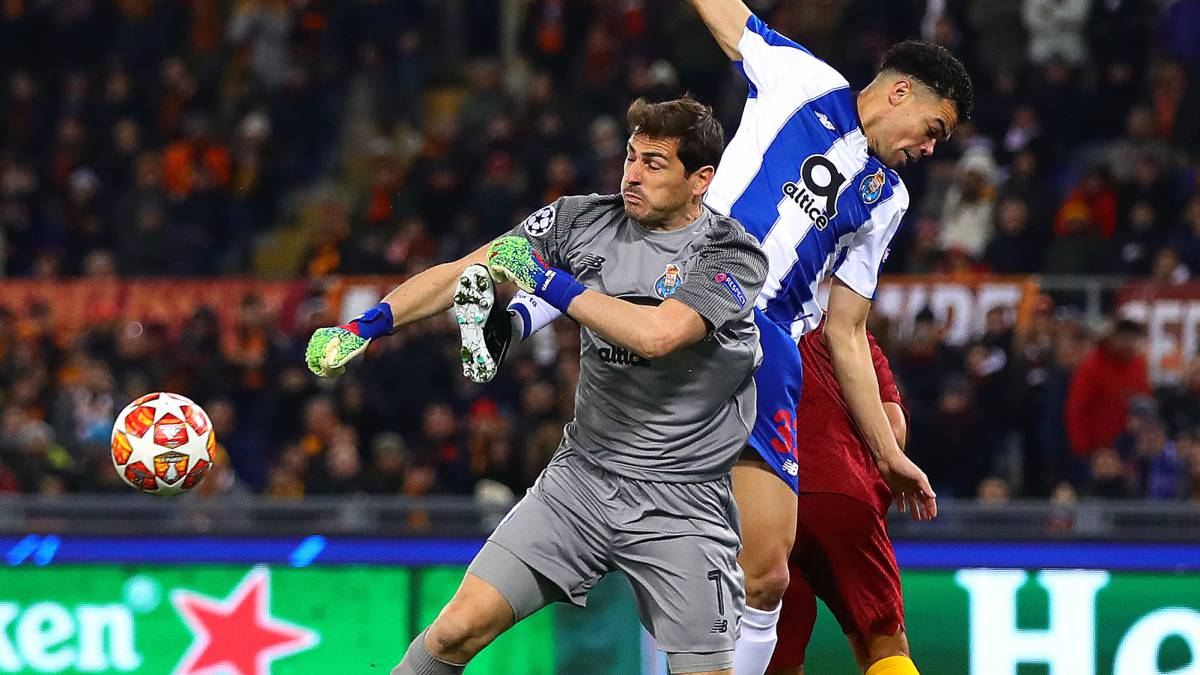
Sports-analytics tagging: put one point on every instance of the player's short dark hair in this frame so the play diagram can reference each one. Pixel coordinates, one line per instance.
(935, 67)
(701, 139)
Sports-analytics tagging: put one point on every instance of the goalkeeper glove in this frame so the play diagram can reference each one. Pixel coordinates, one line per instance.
(330, 349)
(513, 259)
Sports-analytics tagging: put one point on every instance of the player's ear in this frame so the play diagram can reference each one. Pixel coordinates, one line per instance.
(901, 89)
(701, 178)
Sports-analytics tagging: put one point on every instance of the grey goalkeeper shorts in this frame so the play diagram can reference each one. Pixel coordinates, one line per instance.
(677, 543)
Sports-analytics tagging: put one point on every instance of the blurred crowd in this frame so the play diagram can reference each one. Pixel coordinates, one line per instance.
(1053, 407)
(311, 137)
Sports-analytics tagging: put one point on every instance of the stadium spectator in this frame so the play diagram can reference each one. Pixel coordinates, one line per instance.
(1056, 30)
(1186, 238)
(1013, 250)
(1181, 402)
(1103, 384)
(1000, 34)
(970, 203)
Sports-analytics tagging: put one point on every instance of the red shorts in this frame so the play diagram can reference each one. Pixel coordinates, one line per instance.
(844, 557)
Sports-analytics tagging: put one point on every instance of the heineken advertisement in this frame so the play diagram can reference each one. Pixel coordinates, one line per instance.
(255, 620)
(226, 620)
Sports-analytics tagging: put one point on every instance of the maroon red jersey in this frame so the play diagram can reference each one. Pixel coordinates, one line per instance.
(833, 456)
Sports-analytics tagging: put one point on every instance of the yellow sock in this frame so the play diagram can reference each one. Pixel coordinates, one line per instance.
(893, 665)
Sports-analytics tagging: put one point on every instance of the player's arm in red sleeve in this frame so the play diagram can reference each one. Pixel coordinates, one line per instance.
(853, 367)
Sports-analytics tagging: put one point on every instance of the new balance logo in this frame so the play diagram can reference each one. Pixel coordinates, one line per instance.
(791, 467)
(720, 626)
(591, 261)
(824, 120)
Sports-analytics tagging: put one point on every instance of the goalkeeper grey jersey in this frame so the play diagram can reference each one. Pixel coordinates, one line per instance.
(684, 417)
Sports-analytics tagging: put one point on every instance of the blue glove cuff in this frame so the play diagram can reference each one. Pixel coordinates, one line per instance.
(375, 322)
(559, 289)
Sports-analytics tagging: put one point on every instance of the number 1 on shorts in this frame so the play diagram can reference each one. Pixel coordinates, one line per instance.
(715, 577)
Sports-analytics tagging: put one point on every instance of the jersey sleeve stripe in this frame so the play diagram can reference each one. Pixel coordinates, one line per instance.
(770, 36)
(753, 92)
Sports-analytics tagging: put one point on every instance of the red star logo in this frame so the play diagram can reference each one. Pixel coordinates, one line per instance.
(237, 635)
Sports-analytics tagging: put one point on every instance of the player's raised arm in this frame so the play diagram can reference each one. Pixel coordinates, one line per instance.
(726, 19)
(775, 67)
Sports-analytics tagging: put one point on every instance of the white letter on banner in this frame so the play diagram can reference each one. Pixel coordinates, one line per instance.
(997, 646)
(954, 305)
(9, 661)
(1165, 318)
(1138, 651)
(43, 627)
(118, 652)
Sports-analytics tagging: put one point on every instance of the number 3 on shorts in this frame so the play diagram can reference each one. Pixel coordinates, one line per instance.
(786, 443)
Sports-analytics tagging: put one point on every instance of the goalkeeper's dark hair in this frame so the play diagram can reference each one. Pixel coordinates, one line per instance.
(701, 139)
(935, 67)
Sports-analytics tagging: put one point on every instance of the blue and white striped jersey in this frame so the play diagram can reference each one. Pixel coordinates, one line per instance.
(798, 177)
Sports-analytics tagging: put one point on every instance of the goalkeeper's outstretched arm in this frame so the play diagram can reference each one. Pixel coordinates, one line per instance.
(422, 296)
(726, 19)
(430, 292)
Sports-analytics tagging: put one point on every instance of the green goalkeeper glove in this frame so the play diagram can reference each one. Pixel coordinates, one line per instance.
(514, 259)
(330, 349)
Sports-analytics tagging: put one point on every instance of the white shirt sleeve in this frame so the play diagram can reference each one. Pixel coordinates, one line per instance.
(869, 248)
(775, 65)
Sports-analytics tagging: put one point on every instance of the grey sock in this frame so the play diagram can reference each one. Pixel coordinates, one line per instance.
(418, 661)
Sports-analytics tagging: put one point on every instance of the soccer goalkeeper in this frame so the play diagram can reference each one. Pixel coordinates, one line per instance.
(663, 290)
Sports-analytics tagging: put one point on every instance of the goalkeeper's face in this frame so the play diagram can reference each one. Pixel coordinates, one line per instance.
(655, 185)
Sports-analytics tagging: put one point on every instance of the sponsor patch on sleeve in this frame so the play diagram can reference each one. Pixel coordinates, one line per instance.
(540, 222)
(731, 285)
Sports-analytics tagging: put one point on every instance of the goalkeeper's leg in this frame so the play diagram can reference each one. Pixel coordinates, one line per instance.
(484, 337)
(497, 591)
(475, 616)
(485, 345)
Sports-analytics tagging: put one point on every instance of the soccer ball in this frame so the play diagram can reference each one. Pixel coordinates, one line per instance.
(162, 444)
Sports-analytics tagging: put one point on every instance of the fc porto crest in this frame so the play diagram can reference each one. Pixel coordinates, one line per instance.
(669, 282)
(871, 188)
